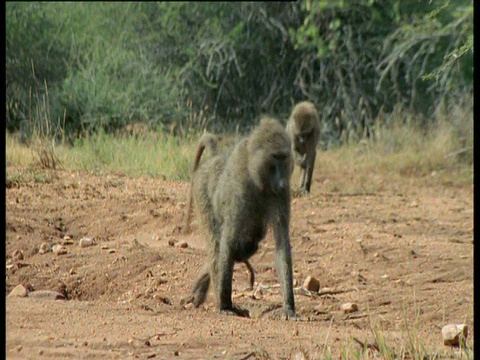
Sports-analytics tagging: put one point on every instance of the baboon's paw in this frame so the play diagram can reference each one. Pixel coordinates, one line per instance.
(236, 311)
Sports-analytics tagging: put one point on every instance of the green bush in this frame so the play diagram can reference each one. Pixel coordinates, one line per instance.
(75, 68)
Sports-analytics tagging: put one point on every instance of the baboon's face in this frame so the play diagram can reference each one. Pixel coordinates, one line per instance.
(270, 166)
(279, 170)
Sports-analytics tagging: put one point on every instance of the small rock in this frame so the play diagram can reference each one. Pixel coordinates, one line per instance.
(59, 249)
(67, 240)
(19, 291)
(46, 294)
(45, 248)
(311, 284)
(40, 352)
(112, 251)
(454, 334)
(172, 242)
(183, 245)
(86, 241)
(17, 255)
(258, 293)
(349, 307)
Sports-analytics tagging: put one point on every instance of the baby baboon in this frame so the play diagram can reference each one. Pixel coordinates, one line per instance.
(238, 196)
(303, 127)
(210, 142)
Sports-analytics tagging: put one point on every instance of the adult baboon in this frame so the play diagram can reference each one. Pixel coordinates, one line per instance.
(211, 143)
(303, 127)
(238, 196)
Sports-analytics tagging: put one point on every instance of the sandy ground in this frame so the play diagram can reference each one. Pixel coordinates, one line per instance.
(404, 255)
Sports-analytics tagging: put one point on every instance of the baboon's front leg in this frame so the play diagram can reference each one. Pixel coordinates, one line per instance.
(224, 275)
(283, 260)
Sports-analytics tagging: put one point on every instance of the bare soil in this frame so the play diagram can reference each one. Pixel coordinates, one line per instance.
(403, 254)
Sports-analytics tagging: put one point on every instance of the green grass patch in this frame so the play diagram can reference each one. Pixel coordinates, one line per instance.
(442, 155)
(155, 154)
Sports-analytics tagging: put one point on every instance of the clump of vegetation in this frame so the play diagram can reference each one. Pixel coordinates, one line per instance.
(129, 87)
(181, 67)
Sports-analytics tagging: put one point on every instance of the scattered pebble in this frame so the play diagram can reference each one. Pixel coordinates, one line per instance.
(18, 291)
(17, 255)
(183, 245)
(112, 251)
(258, 293)
(454, 334)
(59, 249)
(311, 284)
(46, 294)
(45, 248)
(349, 308)
(86, 241)
(67, 240)
(172, 242)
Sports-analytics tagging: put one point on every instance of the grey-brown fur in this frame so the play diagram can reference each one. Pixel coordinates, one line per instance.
(238, 196)
(303, 127)
(211, 143)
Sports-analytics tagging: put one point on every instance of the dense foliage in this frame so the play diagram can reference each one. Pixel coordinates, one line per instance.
(73, 68)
